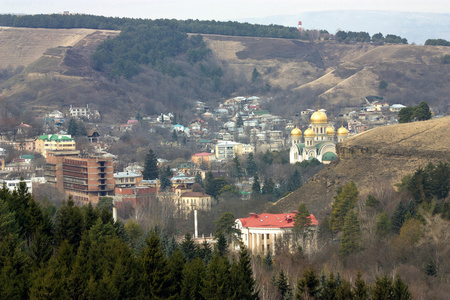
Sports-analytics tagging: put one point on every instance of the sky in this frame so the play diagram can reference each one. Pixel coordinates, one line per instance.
(221, 10)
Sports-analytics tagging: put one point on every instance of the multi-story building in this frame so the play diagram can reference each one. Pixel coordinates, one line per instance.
(203, 158)
(127, 179)
(191, 201)
(84, 178)
(79, 112)
(260, 233)
(54, 142)
(225, 150)
(243, 149)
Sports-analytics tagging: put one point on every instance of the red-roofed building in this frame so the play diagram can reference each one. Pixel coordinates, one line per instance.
(260, 232)
(203, 158)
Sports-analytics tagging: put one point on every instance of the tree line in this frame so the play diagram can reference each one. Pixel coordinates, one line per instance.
(115, 23)
(378, 38)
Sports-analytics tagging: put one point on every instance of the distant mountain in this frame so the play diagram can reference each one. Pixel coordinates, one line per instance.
(414, 26)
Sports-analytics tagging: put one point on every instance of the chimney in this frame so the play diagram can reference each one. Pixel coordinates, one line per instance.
(254, 215)
(115, 214)
(195, 225)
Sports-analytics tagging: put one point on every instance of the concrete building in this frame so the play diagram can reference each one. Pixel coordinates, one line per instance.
(203, 158)
(86, 179)
(127, 179)
(225, 150)
(54, 142)
(260, 232)
(243, 149)
(80, 112)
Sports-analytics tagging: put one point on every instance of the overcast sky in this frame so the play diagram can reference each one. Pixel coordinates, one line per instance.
(213, 9)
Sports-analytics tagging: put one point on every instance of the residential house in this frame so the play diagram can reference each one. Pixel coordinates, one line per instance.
(127, 179)
(54, 142)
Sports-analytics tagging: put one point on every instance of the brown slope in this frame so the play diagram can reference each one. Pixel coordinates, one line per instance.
(22, 46)
(378, 157)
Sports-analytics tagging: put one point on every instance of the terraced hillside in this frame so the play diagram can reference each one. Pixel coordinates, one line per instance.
(374, 160)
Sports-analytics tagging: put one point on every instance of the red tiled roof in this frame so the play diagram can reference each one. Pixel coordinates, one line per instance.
(273, 220)
(203, 154)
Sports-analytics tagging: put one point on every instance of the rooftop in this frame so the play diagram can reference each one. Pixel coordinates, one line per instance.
(273, 220)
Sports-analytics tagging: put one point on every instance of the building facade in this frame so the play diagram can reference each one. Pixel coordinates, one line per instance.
(54, 142)
(319, 140)
(191, 201)
(86, 179)
(261, 233)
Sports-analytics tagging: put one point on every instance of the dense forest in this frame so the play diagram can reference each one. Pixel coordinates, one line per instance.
(75, 252)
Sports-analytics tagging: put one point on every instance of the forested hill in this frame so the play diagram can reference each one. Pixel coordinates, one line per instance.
(186, 26)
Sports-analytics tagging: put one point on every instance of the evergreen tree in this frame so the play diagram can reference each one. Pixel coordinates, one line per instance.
(188, 248)
(344, 201)
(325, 232)
(221, 245)
(176, 266)
(401, 290)
(81, 130)
(382, 288)
(383, 225)
(268, 187)
(267, 261)
(239, 121)
(205, 252)
(351, 241)
(294, 181)
(225, 226)
(244, 284)
(302, 218)
(73, 127)
(156, 280)
(255, 75)
(194, 274)
(150, 171)
(237, 167)
(282, 285)
(422, 111)
(361, 290)
(308, 285)
(174, 135)
(251, 166)
(329, 287)
(373, 202)
(405, 115)
(198, 179)
(256, 187)
(69, 224)
(398, 218)
(217, 282)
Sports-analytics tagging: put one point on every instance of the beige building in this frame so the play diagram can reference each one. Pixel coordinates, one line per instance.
(55, 142)
(243, 149)
(191, 201)
(261, 232)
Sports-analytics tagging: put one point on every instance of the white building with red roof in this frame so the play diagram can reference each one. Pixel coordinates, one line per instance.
(260, 232)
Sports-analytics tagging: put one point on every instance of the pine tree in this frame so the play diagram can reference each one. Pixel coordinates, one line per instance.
(69, 224)
(73, 127)
(268, 187)
(351, 241)
(401, 290)
(383, 225)
(239, 121)
(302, 218)
(176, 266)
(245, 285)
(294, 181)
(282, 285)
(398, 218)
(268, 262)
(156, 279)
(251, 166)
(256, 187)
(198, 179)
(345, 200)
(360, 291)
(194, 274)
(188, 248)
(308, 285)
(150, 171)
(217, 282)
(237, 167)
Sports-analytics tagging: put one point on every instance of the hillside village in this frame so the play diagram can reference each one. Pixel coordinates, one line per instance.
(214, 137)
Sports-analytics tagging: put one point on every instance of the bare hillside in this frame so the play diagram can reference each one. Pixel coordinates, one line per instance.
(376, 159)
(22, 46)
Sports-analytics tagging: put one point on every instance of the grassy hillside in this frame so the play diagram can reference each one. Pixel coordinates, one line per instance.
(375, 160)
(296, 74)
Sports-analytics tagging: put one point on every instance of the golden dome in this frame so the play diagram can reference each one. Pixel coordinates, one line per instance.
(309, 133)
(296, 132)
(330, 130)
(319, 117)
(342, 131)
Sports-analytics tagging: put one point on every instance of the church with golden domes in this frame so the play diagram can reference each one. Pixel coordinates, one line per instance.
(319, 140)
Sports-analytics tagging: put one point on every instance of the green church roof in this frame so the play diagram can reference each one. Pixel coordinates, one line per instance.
(329, 156)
